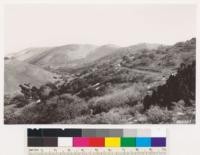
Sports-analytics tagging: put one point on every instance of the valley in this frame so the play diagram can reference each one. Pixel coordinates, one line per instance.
(109, 84)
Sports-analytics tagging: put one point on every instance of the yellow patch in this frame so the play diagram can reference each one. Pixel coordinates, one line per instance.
(112, 142)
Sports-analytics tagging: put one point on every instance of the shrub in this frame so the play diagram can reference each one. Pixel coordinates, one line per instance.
(158, 115)
(138, 108)
(108, 118)
(182, 113)
(140, 118)
(7, 99)
(104, 118)
(89, 92)
(10, 118)
(69, 107)
(129, 96)
(19, 101)
(56, 109)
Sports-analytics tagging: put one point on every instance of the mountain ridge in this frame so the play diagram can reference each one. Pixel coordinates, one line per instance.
(60, 56)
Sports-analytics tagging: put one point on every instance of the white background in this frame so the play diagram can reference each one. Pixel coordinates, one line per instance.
(182, 139)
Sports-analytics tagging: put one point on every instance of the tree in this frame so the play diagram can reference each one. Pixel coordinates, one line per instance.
(19, 101)
(177, 87)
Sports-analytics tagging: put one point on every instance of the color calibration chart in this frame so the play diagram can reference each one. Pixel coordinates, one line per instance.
(97, 141)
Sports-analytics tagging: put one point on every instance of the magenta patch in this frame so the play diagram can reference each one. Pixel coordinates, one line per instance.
(80, 142)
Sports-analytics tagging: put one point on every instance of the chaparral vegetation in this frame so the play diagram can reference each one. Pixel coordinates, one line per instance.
(144, 83)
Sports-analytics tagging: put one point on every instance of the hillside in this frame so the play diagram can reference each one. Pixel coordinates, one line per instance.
(54, 57)
(115, 88)
(102, 51)
(17, 72)
(72, 55)
(127, 66)
(28, 53)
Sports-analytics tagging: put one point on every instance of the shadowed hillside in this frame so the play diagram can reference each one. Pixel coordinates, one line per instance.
(178, 87)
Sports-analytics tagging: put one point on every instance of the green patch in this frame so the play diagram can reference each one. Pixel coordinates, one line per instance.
(128, 142)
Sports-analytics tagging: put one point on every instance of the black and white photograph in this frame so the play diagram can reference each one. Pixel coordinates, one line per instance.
(100, 64)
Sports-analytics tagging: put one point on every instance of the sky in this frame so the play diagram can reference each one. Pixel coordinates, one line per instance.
(42, 25)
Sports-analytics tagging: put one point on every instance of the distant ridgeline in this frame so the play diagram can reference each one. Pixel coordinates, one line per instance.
(177, 87)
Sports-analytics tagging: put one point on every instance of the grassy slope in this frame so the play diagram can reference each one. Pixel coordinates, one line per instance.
(17, 72)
